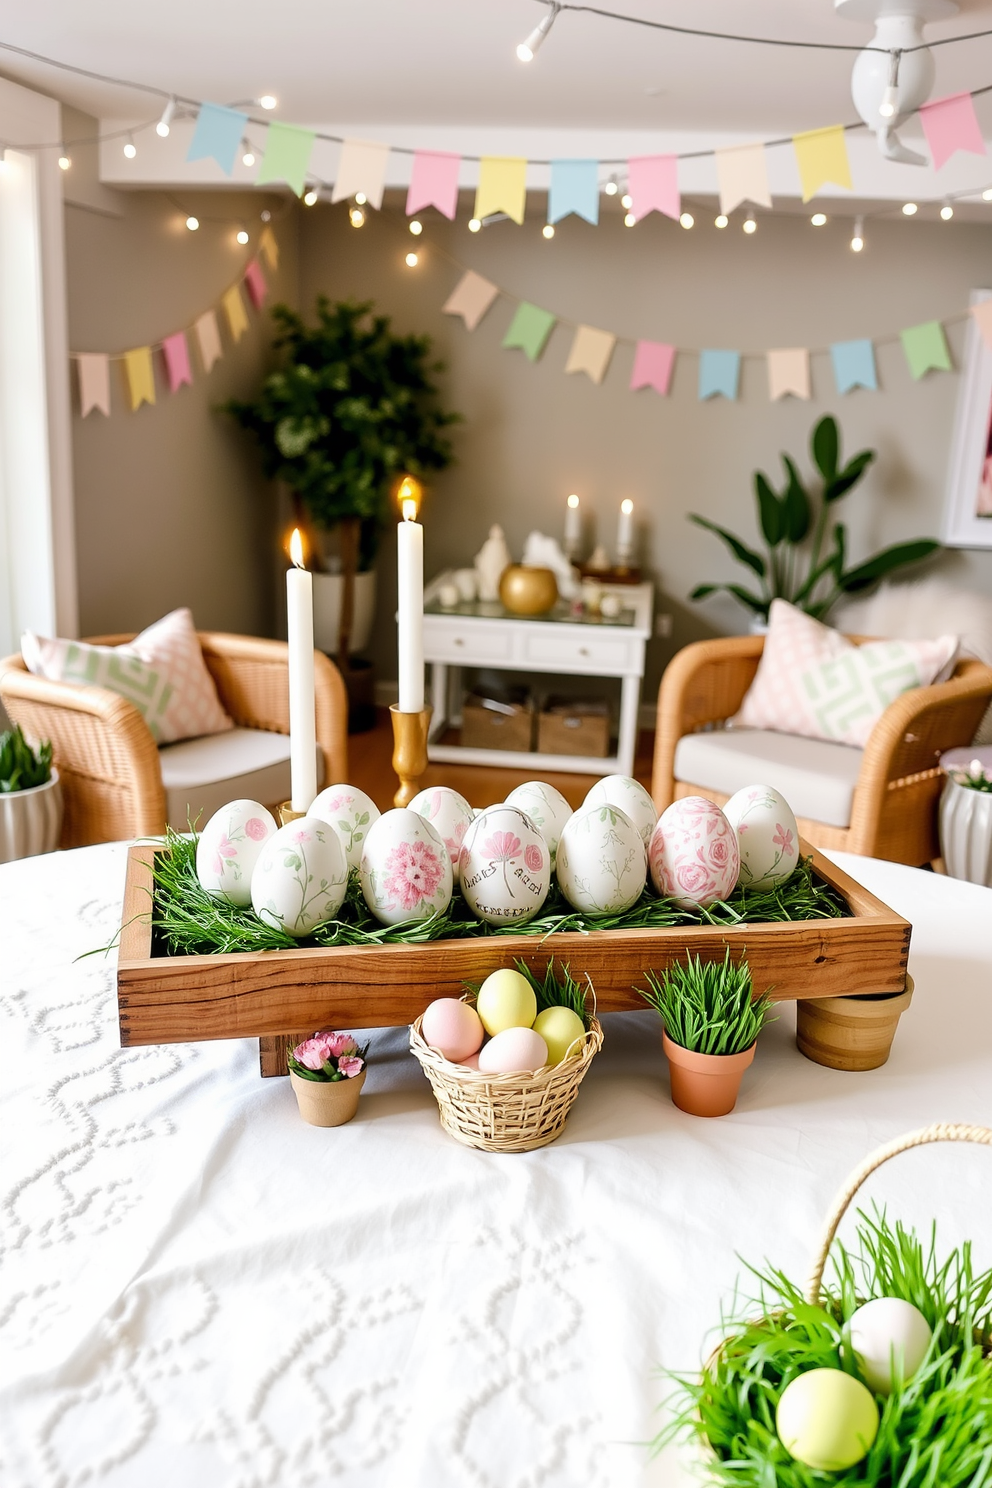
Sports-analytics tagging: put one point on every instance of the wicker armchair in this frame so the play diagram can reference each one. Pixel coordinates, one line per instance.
(108, 761)
(894, 808)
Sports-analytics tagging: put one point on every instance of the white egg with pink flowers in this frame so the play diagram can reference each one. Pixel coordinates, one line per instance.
(405, 871)
(505, 867)
(767, 836)
(449, 814)
(693, 854)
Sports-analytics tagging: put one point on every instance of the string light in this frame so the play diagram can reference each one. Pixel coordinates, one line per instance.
(987, 194)
(547, 231)
(947, 211)
(267, 101)
(360, 198)
(749, 224)
(64, 160)
(611, 188)
(248, 158)
(858, 240)
(311, 197)
(162, 127)
(819, 219)
(357, 217)
(909, 209)
(534, 42)
(722, 221)
(687, 220)
(416, 228)
(627, 201)
(265, 215)
(474, 224)
(242, 236)
(192, 223)
(129, 149)
(411, 260)
(889, 106)
(629, 220)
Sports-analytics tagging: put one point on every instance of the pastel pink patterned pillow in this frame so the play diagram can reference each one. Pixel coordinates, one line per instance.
(813, 681)
(162, 672)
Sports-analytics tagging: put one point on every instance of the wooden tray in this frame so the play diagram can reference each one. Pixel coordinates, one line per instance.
(181, 999)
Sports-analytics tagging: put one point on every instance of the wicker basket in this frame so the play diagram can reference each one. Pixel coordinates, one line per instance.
(505, 1113)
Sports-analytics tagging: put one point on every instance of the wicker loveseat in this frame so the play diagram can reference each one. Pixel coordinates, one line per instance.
(108, 761)
(880, 801)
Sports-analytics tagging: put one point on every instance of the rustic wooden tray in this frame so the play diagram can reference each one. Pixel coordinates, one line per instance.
(276, 995)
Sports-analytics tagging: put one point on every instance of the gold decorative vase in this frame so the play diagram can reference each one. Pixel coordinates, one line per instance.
(409, 751)
(528, 591)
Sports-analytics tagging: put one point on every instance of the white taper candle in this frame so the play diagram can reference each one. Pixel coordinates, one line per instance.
(625, 531)
(302, 707)
(410, 603)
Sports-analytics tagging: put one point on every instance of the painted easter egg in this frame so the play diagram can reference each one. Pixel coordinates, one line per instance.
(563, 1031)
(505, 867)
(506, 1000)
(453, 1028)
(228, 850)
(767, 835)
(826, 1419)
(514, 1051)
(301, 876)
(890, 1339)
(601, 862)
(631, 797)
(449, 814)
(693, 853)
(405, 870)
(547, 809)
(350, 812)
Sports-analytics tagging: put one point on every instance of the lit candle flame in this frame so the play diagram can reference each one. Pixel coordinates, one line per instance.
(296, 547)
(408, 497)
(573, 502)
(627, 507)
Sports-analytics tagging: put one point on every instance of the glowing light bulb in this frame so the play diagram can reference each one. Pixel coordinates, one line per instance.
(248, 158)
(722, 221)
(267, 101)
(360, 198)
(129, 149)
(987, 194)
(629, 220)
(64, 162)
(162, 127)
(192, 223)
(909, 209)
(534, 42)
(242, 236)
(265, 215)
(627, 200)
(749, 225)
(818, 219)
(412, 260)
(947, 212)
(889, 106)
(474, 225)
(858, 240)
(611, 188)
(687, 220)
(310, 199)
(573, 502)
(356, 217)
(416, 228)
(547, 231)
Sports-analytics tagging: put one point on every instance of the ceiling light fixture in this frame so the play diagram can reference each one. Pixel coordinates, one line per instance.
(946, 212)
(311, 197)
(129, 149)
(547, 231)
(722, 221)
(416, 228)
(534, 42)
(858, 238)
(749, 224)
(192, 223)
(242, 236)
(162, 127)
(267, 101)
(909, 209)
(687, 220)
(819, 219)
(411, 260)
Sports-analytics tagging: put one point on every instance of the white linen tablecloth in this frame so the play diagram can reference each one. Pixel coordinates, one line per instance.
(198, 1289)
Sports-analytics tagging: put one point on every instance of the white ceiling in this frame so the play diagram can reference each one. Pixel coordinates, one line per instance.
(452, 62)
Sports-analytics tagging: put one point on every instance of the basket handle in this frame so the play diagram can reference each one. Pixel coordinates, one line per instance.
(939, 1132)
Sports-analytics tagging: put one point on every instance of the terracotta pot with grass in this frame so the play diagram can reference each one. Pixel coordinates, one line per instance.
(712, 1020)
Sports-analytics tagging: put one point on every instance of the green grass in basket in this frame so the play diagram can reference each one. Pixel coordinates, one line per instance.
(187, 921)
(934, 1432)
(708, 1006)
(558, 988)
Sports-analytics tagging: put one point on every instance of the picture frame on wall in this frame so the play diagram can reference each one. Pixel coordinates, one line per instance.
(968, 496)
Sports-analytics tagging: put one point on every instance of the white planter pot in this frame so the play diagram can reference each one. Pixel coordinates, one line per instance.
(966, 833)
(30, 820)
(327, 592)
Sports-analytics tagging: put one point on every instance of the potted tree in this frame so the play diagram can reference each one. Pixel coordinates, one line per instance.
(30, 798)
(711, 1023)
(350, 409)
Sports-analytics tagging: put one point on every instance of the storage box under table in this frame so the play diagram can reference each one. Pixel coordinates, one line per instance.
(574, 726)
(494, 724)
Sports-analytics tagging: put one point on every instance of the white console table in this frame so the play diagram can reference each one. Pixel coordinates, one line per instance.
(481, 634)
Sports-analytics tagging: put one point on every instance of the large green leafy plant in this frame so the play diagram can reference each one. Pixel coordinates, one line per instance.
(803, 562)
(350, 409)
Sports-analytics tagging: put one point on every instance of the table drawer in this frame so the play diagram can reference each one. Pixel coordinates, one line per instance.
(466, 644)
(584, 653)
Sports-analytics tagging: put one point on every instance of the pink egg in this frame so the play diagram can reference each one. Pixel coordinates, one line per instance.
(453, 1028)
(512, 1052)
(471, 1062)
(693, 854)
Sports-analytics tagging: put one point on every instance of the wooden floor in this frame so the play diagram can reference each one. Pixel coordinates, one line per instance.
(370, 768)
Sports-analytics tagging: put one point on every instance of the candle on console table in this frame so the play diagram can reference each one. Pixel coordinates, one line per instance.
(625, 533)
(573, 526)
(302, 710)
(410, 599)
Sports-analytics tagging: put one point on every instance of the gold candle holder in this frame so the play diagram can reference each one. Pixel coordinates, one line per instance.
(287, 814)
(409, 751)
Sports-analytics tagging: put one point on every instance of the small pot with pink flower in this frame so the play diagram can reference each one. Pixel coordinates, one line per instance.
(327, 1073)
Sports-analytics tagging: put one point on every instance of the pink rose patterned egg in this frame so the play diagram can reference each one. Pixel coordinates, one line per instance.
(229, 847)
(505, 867)
(601, 866)
(547, 809)
(453, 1028)
(350, 812)
(405, 871)
(514, 1051)
(767, 835)
(449, 814)
(693, 853)
(631, 797)
(301, 876)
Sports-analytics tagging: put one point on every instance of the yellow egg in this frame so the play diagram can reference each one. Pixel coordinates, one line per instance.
(562, 1031)
(506, 1000)
(827, 1419)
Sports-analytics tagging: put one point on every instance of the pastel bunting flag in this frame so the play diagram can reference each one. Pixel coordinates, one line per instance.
(951, 124)
(719, 374)
(361, 168)
(574, 188)
(433, 183)
(255, 283)
(854, 365)
(529, 330)
(217, 135)
(742, 175)
(821, 155)
(653, 184)
(94, 382)
(983, 319)
(502, 187)
(591, 352)
(140, 377)
(208, 339)
(788, 372)
(287, 156)
(470, 298)
(268, 245)
(653, 363)
(926, 348)
(234, 309)
(177, 367)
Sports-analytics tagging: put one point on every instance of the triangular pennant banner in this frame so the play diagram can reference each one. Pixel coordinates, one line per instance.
(653, 184)
(361, 168)
(529, 330)
(574, 188)
(94, 382)
(177, 367)
(719, 374)
(950, 124)
(591, 352)
(255, 283)
(433, 183)
(821, 155)
(268, 245)
(287, 156)
(854, 365)
(742, 174)
(234, 309)
(653, 363)
(217, 135)
(926, 348)
(208, 339)
(140, 378)
(470, 298)
(788, 372)
(502, 187)
(983, 319)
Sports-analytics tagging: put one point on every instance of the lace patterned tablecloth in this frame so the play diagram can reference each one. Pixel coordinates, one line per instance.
(198, 1289)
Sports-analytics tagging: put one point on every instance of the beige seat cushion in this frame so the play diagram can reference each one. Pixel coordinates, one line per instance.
(202, 775)
(815, 777)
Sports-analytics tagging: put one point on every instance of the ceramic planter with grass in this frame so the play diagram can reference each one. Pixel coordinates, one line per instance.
(30, 798)
(712, 1020)
(327, 1073)
(966, 815)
